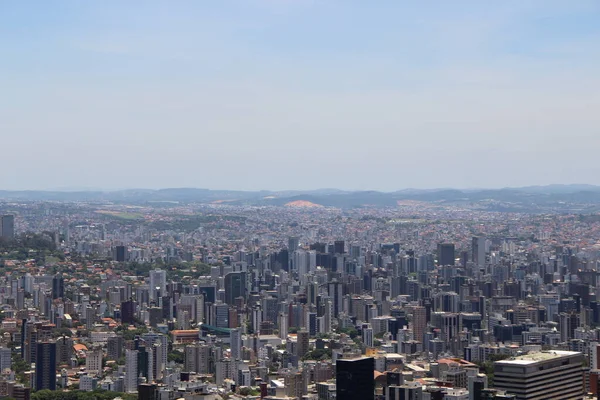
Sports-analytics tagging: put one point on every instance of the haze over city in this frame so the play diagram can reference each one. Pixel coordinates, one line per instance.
(299, 200)
(267, 94)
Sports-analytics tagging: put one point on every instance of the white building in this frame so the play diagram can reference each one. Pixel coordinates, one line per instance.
(158, 283)
(131, 371)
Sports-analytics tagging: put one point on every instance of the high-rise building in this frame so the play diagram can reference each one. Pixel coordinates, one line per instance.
(336, 293)
(419, 322)
(367, 334)
(145, 362)
(235, 337)
(568, 322)
(7, 226)
(302, 343)
(446, 255)
(131, 371)
(198, 358)
(114, 347)
(478, 250)
(161, 351)
(58, 287)
(294, 385)
(235, 286)
(64, 350)
(127, 312)
(45, 366)
(355, 379)
(158, 284)
(551, 374)
(93, 362)
(293, 244)
(5, 358)
(147, 391)
(339, 247)
(120, 253)
(282, 322)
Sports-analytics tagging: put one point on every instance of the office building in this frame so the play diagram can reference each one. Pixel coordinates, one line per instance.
(147, 391)
(293, 244)
(45, 366)
(446, 254)
(131, 370)
(478, 250)
(58, 287)
(158, 284)
(235, 286)
(114, 347)
(550, 374)
(355, 379)
(5, 358)
(235, 337)
(127, 312)
(120, 254)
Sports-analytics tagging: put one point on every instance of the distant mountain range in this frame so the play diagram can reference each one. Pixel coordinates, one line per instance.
(524, 198)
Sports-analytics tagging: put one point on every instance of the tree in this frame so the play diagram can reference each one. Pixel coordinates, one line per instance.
(317, 354)
(352, 332)
(175, 356)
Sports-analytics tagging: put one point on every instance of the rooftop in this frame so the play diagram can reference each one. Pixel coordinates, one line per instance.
(533, 358)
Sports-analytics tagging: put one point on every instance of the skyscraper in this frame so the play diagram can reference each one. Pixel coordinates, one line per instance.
(5, 358)
(293, 243)
(127, 312)
(478, 250)
(45, 366)
(235, 286)
(58, 287)
(355, 379)
(7, 226)
(131, 370)
(158, 284)
(64, 350)
(235, 337)
(114, 347)
(120, 254)
(446, 254)
(336, 293)
(302, 343)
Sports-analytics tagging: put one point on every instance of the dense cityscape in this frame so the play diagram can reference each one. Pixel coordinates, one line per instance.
(213, 301)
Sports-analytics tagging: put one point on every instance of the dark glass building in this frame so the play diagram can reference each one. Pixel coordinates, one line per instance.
(446, 254)
(235, 286)
(355, 379)
(45, 366)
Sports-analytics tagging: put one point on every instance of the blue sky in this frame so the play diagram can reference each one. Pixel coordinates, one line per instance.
(299, 94)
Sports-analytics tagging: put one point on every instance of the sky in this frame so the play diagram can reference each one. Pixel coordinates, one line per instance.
(299, 94)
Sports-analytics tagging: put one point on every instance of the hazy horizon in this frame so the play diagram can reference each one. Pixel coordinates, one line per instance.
(299, 94)
(117, 189)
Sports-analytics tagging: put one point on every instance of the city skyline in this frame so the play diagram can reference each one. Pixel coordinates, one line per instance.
(299, 94)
